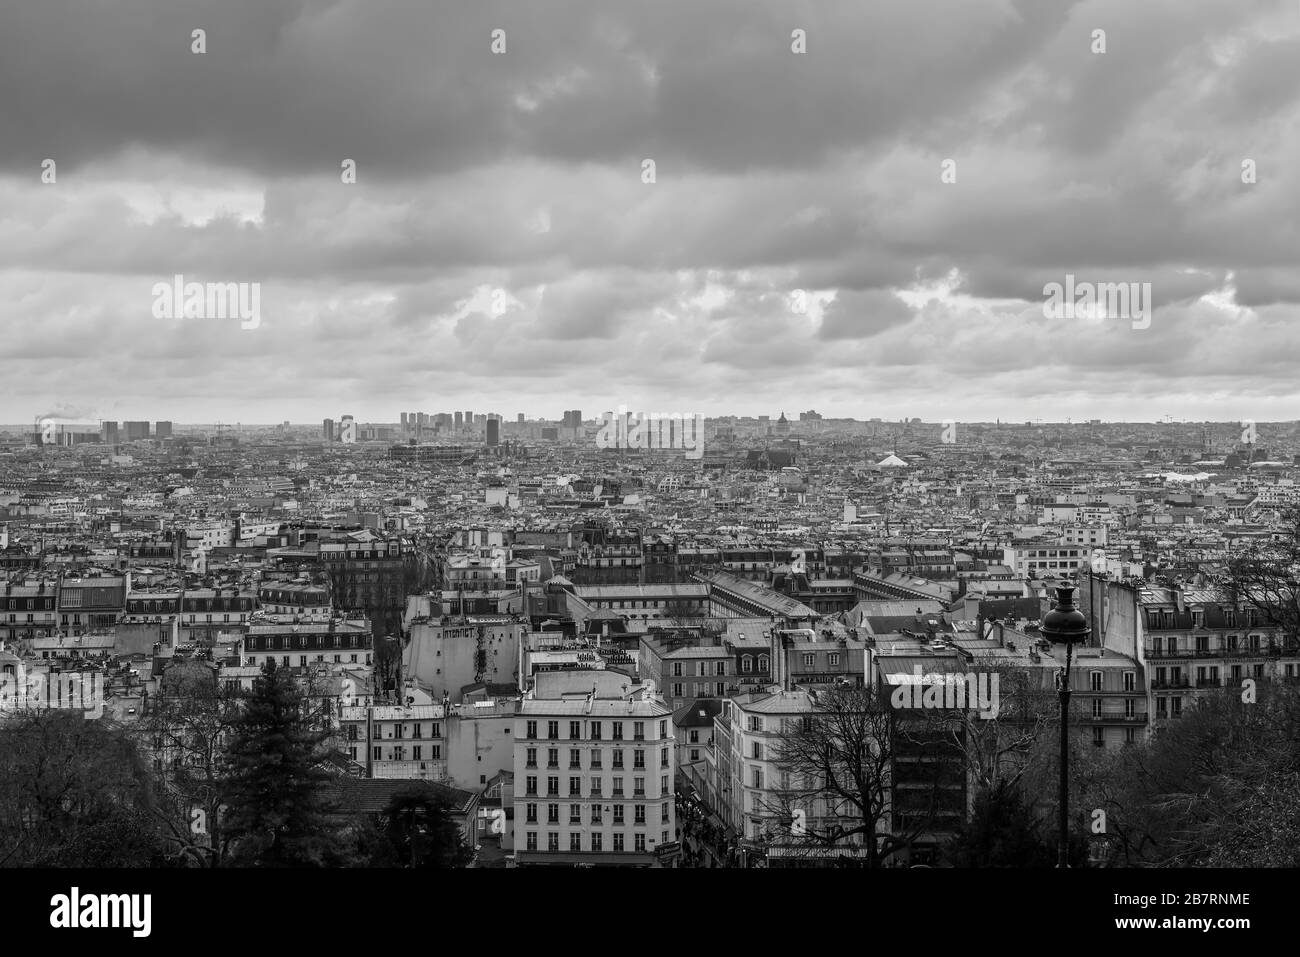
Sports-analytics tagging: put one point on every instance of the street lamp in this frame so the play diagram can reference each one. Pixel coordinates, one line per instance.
(1065, 624)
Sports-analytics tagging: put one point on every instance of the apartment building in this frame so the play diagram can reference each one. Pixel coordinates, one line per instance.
(337, 641)
(751, 793)
(1061, 560)
(594, 773)
(1190, 641)
(396, 741)
(447, 653)
(28, 610)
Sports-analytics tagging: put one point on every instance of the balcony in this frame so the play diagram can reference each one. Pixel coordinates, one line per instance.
(1169, 684)
(1106, 717)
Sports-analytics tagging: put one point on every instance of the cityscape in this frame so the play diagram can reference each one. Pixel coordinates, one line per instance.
(857, 438)
(473, 604)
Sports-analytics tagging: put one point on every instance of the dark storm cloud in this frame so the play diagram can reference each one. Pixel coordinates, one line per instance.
(776, 173)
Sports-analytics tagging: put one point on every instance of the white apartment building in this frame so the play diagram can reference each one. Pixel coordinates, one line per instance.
(1041, 558)
(594, 772)
(397, 742)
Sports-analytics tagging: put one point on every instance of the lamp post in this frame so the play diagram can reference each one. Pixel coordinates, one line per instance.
(1065, 624)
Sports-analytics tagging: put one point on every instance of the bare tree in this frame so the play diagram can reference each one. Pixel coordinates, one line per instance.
(844, 757)
(186, 730)
(1265, 577)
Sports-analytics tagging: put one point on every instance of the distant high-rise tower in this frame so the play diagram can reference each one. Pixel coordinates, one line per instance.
(493, 431)
(109, 431)
(459, 420)
(329, 430)
(136, 430)
(469, 420)
(520, 420)
(403, 421)
(162, 430)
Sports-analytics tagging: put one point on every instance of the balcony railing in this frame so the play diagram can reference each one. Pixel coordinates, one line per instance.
(1168, 684)
(1089, 717)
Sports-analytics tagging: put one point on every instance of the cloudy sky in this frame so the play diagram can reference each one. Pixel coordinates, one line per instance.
(798, 247)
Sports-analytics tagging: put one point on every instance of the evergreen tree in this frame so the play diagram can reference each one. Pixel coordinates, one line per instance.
(278, 812)
(1003, 831)
(419, 831)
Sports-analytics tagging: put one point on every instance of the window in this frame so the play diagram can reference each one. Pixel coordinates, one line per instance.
(575, 758)
(1130, 680)
(618, 731)
(597, 840)
(417, 753)
(531, 733)
(595, 760)
(695, 736)
(618, 813)
(575, 729)
(575, 787)
(618, 842)
(618, 758)
(638, 730)
(552, 814)
(1130, 735)
(595, 730)
(663, 815)
(663, 757)
(763, 663)
(755, 723)
(638, 758)
(720, 668)
(720, 690)
(638, 816)
(595, 787)
(833, 659)
(695, 754)
(677, 669)
(596, 815)
(679, 690)
(552, 785)
(663, 729)
(531, 814)
(758, 777)
(1096, 707)
(552, 757)
(530, 784)
(618, 787)
(1094, 680)
(1099, 737)
(638, 787)
(758, 751)
(575, 841)
(532, 840)
(552, 841)
(530, 759)
(552, 730)
(639, 842)
(575, 813)
(809, 660)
